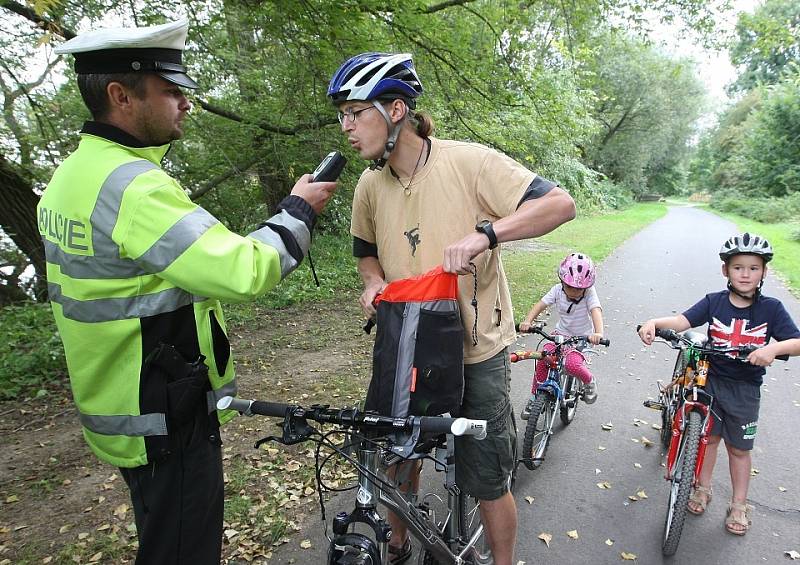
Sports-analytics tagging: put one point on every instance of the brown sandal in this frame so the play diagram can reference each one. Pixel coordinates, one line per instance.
(701, 496)
(742, 520)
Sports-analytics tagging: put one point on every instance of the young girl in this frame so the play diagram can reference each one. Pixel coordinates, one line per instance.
(579, 313)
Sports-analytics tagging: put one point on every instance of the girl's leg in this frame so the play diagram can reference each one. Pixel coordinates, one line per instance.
(575, 363)
(707, 472)
(740, 464)
(540, 374)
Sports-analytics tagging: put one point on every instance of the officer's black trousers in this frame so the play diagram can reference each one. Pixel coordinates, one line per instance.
(178, 500)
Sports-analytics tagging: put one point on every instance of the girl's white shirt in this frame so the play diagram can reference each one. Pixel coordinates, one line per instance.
(577, 321)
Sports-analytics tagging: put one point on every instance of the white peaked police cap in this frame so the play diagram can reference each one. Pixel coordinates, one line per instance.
(155, 49)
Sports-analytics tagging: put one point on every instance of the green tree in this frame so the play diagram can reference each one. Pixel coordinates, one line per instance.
(766, 42)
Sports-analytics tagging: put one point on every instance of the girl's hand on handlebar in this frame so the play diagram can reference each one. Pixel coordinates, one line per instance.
(647, 332)
(524, 326)
(595, 338)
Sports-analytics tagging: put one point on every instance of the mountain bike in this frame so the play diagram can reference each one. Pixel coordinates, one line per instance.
(686, 421)
(559, 392)
(453, 537)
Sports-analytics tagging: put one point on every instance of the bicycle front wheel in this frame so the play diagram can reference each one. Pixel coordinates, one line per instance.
(572, 389)
(537, 431)
(681, 484)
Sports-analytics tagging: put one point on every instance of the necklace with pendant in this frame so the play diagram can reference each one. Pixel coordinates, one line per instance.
(407, 188)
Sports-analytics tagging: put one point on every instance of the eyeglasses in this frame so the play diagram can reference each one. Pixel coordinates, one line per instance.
(350, 115)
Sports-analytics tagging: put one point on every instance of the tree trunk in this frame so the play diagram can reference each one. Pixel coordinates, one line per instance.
(18, 219)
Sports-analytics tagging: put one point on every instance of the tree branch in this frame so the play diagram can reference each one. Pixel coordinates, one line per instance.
(219, 179)
(230, 115)
(41, 21)
(445, 5)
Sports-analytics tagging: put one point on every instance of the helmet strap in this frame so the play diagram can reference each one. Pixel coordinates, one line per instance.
(391, 142)
(752, 297)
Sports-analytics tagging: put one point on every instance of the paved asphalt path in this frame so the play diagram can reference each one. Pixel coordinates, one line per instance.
(662, 270)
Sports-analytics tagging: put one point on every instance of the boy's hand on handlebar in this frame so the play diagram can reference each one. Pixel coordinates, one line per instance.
(647, 332)
(595, 338)
(761, 357)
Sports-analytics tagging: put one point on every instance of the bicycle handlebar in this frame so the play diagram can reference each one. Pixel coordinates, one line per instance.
(351, 417)
(537, 329)
(674, 338)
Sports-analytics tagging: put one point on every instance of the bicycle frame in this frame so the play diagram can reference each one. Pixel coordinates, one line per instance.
(678, 427)
(421, 522)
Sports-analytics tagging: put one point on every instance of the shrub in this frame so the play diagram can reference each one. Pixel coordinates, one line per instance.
(32, 357)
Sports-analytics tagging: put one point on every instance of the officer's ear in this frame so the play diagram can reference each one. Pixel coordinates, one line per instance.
(121, 97)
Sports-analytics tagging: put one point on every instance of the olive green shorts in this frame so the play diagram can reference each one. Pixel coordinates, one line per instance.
(484, 467)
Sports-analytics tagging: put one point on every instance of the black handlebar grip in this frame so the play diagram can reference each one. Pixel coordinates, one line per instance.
(274, 409)
(605, 342)
(638, 327)
(435, 424)
(664, 333)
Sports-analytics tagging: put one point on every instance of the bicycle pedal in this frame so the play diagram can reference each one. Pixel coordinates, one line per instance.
(654, 404)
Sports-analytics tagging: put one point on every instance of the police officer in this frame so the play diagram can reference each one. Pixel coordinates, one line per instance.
(135, 273)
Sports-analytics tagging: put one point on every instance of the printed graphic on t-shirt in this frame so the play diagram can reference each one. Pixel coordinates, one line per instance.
(413, 239)
(736, 333)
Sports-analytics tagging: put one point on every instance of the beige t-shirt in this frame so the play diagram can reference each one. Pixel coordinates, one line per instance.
(461, 184)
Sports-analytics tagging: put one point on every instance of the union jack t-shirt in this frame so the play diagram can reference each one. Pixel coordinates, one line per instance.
(729, 326)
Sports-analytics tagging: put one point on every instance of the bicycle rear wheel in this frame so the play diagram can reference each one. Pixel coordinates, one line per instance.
(572, 389)
(681, 484)
(537, 430)
(470, 530)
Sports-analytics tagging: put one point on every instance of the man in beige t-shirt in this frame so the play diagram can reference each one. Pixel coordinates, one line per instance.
(449, 203)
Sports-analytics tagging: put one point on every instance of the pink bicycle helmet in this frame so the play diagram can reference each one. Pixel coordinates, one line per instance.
(577, 270)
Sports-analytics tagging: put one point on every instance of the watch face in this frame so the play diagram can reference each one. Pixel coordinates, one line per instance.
(483, 224)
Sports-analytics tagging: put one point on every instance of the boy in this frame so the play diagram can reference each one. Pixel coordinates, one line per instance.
(738, 315)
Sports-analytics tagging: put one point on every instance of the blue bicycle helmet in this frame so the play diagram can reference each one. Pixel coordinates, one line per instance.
(376, 76)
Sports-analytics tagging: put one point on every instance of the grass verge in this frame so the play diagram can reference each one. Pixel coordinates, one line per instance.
(532, 273)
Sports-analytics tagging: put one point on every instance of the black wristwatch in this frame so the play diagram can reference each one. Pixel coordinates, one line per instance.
(486, 228)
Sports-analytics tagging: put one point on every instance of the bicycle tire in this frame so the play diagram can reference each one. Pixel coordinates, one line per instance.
(571, 395)
(470, 520)
(681, 484)
(537, 432)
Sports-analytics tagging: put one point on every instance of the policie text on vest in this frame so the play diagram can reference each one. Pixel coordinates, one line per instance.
(68, 232)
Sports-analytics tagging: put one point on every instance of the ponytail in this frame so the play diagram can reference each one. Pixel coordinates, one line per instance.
(423, 123)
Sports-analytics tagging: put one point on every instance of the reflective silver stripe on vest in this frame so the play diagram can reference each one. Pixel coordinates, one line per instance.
(109, 309)
(212, 396)
(177, 239)
(297, 228)
(88, 267)
(109, 199)
(145, 425)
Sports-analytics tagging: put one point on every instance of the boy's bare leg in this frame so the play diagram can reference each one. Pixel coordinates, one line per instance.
(740, 463)
(708, 467)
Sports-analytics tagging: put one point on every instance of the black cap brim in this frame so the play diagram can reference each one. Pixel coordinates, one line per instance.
(181, 79)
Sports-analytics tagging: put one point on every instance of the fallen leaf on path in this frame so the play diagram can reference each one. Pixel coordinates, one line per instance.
(529, 499)
(305, 544)
(646, 442)
(121, 510)
(96, 557)
(633, 498)
(573, 534)
(609, 542)
(12, 498)
(628, 556)
(597, 471)
(604, 485)
(601, 448)
(641, 494)
(656, 426)
(753, 472)
(637, 465)
(607, 427)
(546, 538)
(782, 489)
(792, 555)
